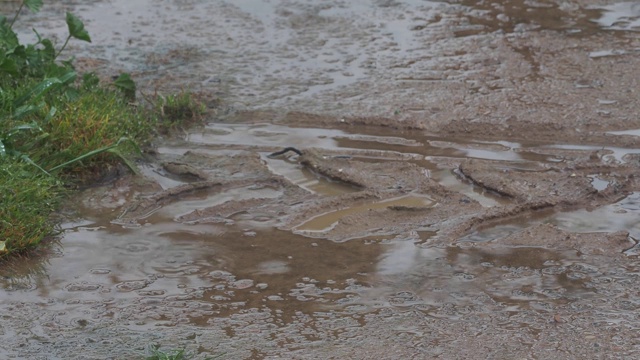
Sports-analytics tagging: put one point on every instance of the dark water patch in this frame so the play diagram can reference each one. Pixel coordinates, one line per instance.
(204, 273)
(486, 16)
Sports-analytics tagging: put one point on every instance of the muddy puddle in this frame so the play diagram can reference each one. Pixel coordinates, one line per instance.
(465, 186)
(237, 266)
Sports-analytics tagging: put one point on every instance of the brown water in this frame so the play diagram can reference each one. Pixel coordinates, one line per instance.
(261, 283)
(327, 220)
(232, 283)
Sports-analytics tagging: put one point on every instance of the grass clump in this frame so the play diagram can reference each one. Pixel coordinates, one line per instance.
(91, 131)
(179, 110)
(63, 136)
(154, 353)
(27, 199)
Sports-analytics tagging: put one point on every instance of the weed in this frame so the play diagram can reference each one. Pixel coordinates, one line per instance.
(154, 353)
(178, 111)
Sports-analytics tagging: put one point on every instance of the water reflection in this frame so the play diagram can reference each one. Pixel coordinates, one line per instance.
(619, 16)
(429, 278)
(231, 270)
(620, 216)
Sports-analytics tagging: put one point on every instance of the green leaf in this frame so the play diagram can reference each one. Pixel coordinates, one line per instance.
(50, 115)
(3, 150)
(90, 81)
(69, 77)
(48, 51)
(48, 47)
(20, 51)
(37, 91)
(126, 85)
(69, 63)
(71, 94)
(9, 66)
(54, 70)
(33, 5)
(76, 28)
(32, 126)
(25, 110)
(8, 38)
(124, 82)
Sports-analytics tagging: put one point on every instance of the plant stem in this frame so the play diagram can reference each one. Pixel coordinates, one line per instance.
(16, 16)
(63, 46)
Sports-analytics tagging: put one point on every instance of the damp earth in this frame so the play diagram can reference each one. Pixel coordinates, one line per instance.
(467, 186)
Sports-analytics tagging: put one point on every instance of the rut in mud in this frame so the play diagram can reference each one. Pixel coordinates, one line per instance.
(467, 188)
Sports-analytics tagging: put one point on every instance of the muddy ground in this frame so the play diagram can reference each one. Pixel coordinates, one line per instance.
(467, 186)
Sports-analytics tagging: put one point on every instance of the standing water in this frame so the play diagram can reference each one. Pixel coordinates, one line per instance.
(494, 216)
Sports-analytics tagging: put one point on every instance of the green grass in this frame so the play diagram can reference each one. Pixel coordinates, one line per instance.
(157, 354)
(154, 353)
(94, 120)
(70, 136)
(59, 129)
(27, 199)
(179, 110)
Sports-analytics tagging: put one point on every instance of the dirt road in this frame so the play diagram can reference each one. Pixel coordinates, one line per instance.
(467, 187)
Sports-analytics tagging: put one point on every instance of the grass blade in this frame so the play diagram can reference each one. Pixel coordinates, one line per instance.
(27, 159)
(37, 91)
(94, 152)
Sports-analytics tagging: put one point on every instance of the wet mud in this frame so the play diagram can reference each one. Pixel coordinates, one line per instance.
(467, 186)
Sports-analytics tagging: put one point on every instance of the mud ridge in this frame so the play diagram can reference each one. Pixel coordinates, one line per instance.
(145, 207)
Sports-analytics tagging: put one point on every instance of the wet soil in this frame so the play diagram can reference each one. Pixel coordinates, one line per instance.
(467, 186)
